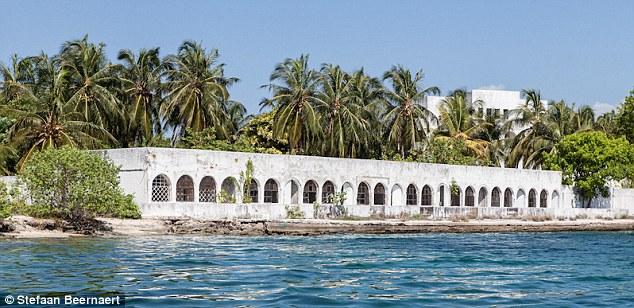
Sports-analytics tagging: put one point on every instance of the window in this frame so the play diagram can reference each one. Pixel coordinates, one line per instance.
(508, 198)
(270, 191)
(228, 190)
(310, 192)
(160, 189)
(469, 198)
(532, 202)
(363, 195)
(250, 193)
(543, 199)
(455, 197)
(185, 189)
(207, 190)
(328, 193)
(412, 195)
(426, 196)
(495, 197)
(441, 192)
(379, 194)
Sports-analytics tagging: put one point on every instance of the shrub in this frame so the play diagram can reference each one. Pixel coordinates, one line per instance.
(294, 212)
(5, 202)
(76, 186)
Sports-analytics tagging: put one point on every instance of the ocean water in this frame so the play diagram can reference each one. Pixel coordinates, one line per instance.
(443, 270)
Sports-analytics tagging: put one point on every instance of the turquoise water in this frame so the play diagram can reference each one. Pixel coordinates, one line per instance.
(537, 269)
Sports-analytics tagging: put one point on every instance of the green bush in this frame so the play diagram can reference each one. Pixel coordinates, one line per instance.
(76, 186)
(5, 202)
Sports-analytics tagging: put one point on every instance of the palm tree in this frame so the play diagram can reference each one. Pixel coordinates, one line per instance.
(537, 135)
(50, 126)
(197, 91)
(368, 92)
(406, 118)
(459, 121)
(294, 97)
(89, 82)
(607, 123)
(341, 114)
(141, 81)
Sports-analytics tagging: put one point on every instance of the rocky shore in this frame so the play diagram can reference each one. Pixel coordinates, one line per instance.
(27, 227)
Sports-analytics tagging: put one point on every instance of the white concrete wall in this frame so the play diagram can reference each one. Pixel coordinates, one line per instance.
(141, 165)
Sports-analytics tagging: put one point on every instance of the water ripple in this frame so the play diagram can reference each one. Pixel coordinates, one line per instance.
(554, 269)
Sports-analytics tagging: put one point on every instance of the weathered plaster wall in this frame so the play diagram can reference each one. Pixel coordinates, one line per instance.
(346, 174)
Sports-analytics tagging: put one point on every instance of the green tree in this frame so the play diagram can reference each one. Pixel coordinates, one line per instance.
(76, 186)
(625, 118)
(458, 120)
(607, 123)
(407, 120)
(197, 91)
(446, 151)
(49, 125)
(590, 160)
(294, 88)
(89, 83)
(345, 128)
(141, 81)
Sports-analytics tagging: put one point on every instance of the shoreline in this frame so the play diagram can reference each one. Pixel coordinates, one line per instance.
(27, 227)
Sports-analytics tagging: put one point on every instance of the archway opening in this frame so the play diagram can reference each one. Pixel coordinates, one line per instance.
(396, 195)
(207, 190)
(185, 189)
(469, 197)
(426, 196)
(412, 195)
(495, 197)
(228, 190)
(271, 191)
(508, 198)
(328, 193)
(363, 195)
(543, 199)
(532, 198)
(482, 197)
(379, 194)
(161, 188)
(310, 192)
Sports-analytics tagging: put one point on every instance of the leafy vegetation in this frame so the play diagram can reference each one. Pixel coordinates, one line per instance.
(79, 98)
(75, 186)
(589, 160)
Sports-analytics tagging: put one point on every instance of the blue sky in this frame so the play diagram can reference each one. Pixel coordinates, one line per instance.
(580, 51)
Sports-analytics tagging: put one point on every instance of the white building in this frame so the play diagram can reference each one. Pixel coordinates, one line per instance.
(496, 103)
(183, 182)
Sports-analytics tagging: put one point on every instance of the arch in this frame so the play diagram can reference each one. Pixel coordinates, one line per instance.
(554, 199)
(328, 193)
(363, 194)
(348, 192)
(441, 195)
(482, 197)
(469, 197)
(412, 195)
(250, 192)
(161, 188)
(207, 190)
(185, 189)
(426, 196)
(271, 191)
(396, 195)
(455, 196)
(520, 199)
(379, 194)
(543, 198)
(228, 190)
(291, 192)
(532, 198)
(309, 195)
(495, 197)
(508, 197)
